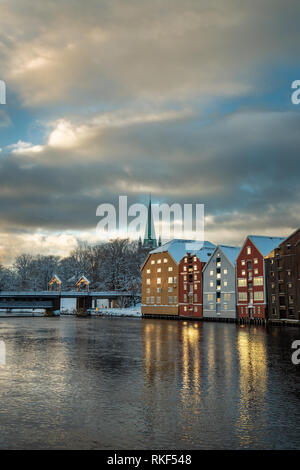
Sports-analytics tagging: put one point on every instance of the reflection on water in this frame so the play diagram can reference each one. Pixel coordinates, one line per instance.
(112, 383)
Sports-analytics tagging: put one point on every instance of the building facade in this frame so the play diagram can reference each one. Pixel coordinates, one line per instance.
(191, 282)
(219, 283)
(283, 279)
(160, 277)
(251, 276)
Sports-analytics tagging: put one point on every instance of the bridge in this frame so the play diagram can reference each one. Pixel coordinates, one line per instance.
(51, 300)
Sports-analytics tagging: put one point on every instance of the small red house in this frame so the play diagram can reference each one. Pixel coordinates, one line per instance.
(251, 276)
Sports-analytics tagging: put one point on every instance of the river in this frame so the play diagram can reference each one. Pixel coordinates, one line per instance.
(131, 383)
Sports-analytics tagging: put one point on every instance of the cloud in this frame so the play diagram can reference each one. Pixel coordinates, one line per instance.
(138, 97)
(234, 166)
(110, 51)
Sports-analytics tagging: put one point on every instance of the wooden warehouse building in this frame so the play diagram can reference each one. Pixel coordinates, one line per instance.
(283, 280)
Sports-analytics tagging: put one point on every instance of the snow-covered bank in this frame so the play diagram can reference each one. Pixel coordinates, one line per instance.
(120, 312)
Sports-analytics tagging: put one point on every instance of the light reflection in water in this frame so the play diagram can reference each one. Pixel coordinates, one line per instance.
(252, 382)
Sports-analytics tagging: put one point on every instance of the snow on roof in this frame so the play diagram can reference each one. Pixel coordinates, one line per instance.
(83, 278)
(231, 252)
(265, 244)
(55, 277)
(178, 248)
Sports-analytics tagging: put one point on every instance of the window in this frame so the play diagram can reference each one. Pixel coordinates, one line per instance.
(243, 296)
(195, 267)
(290, 285)
(172, 299)
(258, 281)
(159, 270)
(243, 272)
(211, 272)
(227, 296)
(258, 295)
(225, 306)
(225, 283)
(148, 290)
(195, 258)
(185, 260)
(158, 300)
(255, 271)
(158, 290)
(195, 309)
(195, 298)
(243, 262)
(195, 286)
(148, 271)
(185, 298)
(291, 299)
(249, 264)
(211, 306)
(170, 280)
(242, 282)
(175, 299)
(158, 280)
(258, 310)
(185, 309)
(152, 299)
(255, 260)
(248, 250)
(195, 277)
(153, 261)
(165, 260)
(159, 261)
(147, 300)
(184, 268)
(175, 280)
(170, 268)
(210, 296)
(225, 271)
(185, 286)
(184, 278)
(148, 282)
(211, 283)
(170, 289)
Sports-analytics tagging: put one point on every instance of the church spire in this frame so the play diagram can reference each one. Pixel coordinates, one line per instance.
(150, 236)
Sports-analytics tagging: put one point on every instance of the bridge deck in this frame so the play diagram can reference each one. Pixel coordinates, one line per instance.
(64, 294)
(24, 304)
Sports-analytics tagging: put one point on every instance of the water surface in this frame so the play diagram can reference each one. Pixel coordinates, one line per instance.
(122, 383)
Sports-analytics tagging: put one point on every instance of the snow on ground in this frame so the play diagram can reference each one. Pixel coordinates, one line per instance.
(120, 312)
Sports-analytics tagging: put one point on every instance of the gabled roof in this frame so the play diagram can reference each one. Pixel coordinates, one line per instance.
(179, 247)
(83, 278)
(265, 244)
(231, 253)
(292, 235)
(55, 277)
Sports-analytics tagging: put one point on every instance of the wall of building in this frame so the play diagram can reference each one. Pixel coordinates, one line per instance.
(225, 307)
(190, 287)
(283, 280)
(251, 307)
(160, 298)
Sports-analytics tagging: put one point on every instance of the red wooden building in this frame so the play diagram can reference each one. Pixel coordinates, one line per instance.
(251, 276)
(190, 290)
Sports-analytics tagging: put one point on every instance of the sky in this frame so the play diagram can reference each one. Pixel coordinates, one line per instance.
(187, 100)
